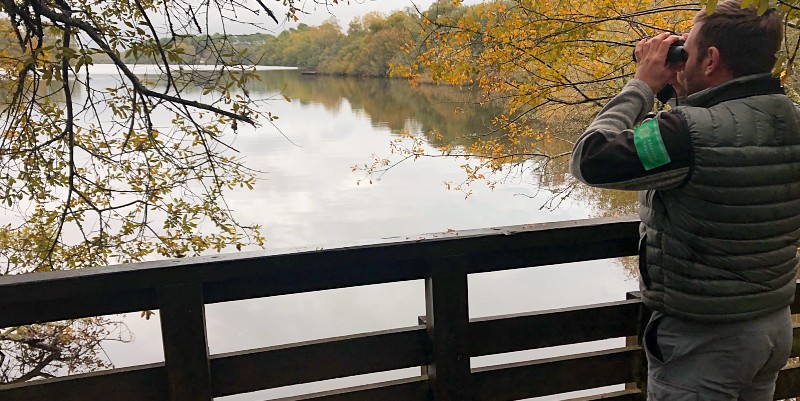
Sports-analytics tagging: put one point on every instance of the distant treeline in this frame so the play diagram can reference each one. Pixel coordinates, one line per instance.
(366, 48)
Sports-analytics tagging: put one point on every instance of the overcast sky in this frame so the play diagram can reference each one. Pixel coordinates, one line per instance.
(344, 12)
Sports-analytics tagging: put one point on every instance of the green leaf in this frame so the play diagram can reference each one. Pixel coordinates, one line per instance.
(711, 6)
(779, 67)
(763, 7)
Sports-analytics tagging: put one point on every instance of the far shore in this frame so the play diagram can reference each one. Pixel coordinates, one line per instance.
(110, 68)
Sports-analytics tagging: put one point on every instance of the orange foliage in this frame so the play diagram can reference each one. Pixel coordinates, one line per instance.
(549, 64)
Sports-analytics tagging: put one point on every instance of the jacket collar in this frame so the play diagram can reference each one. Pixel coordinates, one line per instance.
(750, 85)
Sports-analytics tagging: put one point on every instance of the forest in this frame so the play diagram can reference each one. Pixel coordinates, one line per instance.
(369, 46)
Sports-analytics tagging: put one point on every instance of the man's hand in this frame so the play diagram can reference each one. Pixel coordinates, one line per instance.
(652, 62)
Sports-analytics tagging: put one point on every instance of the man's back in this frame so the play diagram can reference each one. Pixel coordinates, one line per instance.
(722, 246)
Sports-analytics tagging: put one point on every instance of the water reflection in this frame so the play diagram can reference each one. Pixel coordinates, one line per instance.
(310, 197)
(391, 104)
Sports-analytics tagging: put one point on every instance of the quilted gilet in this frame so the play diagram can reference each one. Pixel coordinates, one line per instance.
(723, 246)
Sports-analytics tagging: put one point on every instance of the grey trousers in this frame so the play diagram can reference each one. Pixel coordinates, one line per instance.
(738, 361)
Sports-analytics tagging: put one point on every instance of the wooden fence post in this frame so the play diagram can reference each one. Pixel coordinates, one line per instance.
(447, 315)
(183, 330)
(423, 320)
(638, 340)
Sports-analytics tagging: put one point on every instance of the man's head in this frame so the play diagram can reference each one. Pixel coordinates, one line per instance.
(730, 43)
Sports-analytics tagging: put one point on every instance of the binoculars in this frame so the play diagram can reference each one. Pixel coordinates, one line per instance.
(676, 53)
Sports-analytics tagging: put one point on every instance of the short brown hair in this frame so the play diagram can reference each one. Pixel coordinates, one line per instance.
(747, 42)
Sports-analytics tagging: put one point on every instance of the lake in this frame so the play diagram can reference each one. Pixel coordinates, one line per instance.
(310, 197)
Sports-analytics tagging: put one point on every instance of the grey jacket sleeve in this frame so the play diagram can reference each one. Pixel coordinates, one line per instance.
(606, 154)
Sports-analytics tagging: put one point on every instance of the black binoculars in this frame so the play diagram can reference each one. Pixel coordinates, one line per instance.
(676, 53)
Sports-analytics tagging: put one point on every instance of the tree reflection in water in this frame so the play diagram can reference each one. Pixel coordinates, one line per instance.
(445, 117)
(58, 348)
(442, 117)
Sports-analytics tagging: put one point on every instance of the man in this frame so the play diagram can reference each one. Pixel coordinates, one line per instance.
(719, 176)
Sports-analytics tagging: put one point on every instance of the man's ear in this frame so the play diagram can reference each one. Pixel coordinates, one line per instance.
(713, 61)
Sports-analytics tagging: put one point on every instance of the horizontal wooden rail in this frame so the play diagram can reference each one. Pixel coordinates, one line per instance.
(624, 395)
(52, 296)
(509, 333)
(318, 360)
(146, 382)
(557, 375)
(515, 381)
(411, 389)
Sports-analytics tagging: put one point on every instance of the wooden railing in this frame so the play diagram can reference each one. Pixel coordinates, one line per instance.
(442, 345)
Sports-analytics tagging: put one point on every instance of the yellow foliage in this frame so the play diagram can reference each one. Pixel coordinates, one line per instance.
(549, 64)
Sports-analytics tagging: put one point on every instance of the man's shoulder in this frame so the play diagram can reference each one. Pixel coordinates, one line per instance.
(776, 104)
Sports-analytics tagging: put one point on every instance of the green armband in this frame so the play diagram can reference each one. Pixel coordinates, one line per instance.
(649, 145)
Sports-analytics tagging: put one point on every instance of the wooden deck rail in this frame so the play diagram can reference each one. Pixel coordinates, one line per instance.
(442, 345)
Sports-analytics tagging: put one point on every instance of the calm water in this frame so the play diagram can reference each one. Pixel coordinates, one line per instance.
(309, 197)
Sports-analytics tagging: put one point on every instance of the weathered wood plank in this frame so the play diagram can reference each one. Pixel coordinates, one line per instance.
(260, 274)
(146, 382)
(788, 384)
(556, 375)
(496, 260)
(624, 395)
(475, 250)
(314, 275)
(637, 340)
(795, 306)
(795, 340)
(252, 370)
(303, 277)
(183, 332)
(411, 389)
(498, 334)
(423, 369)
(446, 308)
(79, 305)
